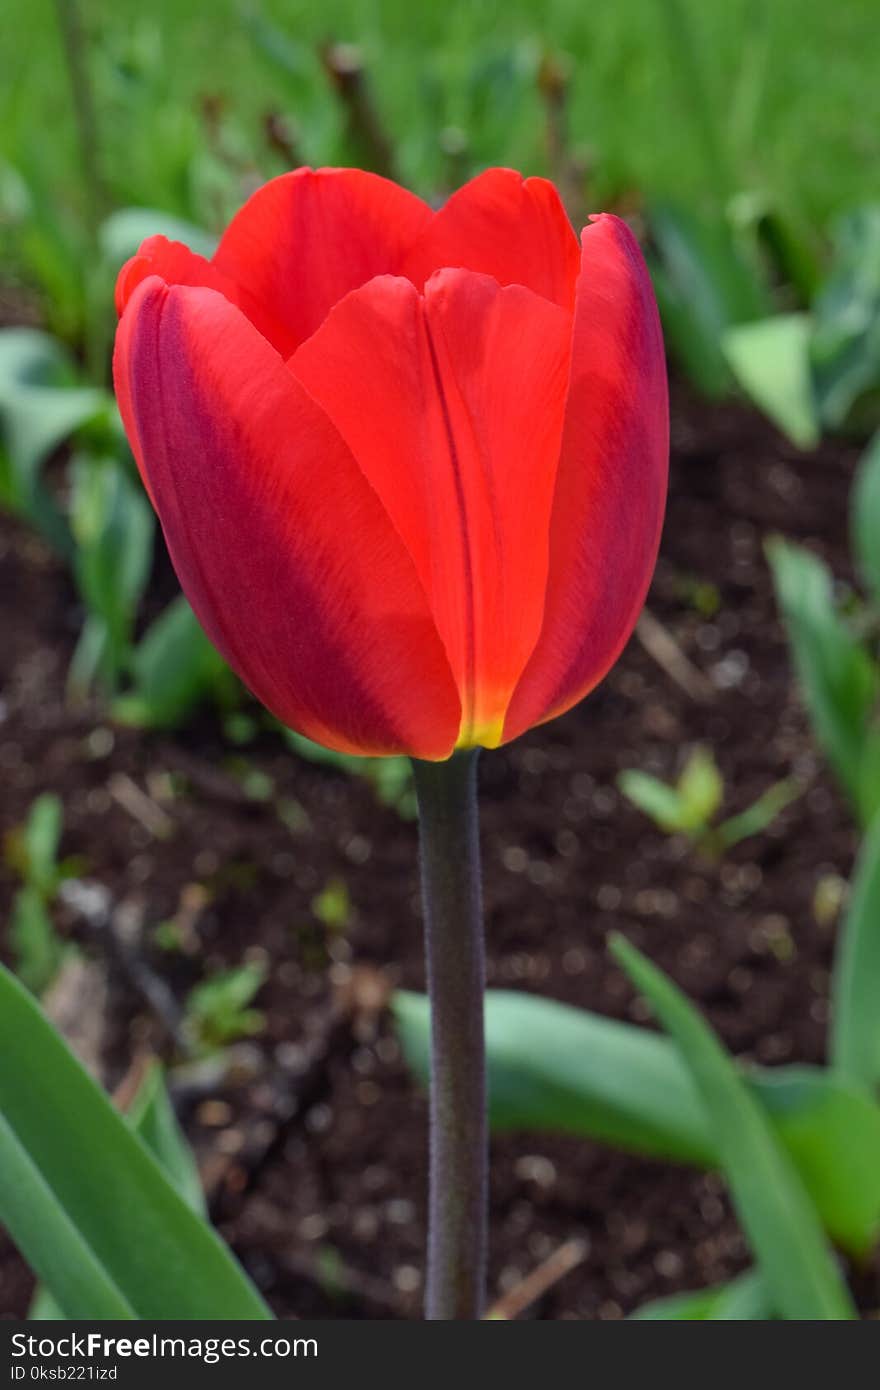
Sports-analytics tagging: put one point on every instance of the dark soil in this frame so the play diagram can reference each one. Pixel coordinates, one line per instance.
(312, 1137)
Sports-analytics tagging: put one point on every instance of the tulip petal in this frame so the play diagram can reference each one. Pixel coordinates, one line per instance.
(281, 545)
(453, 403)
(503, 225)
(175, 264)
(611, 483)
(305, 239)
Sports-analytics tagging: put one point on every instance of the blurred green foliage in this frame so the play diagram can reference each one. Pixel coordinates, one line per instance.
(833, 634)
(791, 87)
(31, 852)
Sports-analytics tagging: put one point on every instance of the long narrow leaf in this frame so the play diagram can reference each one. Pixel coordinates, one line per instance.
(829, 1125)
(839, 680)
(85, 1201)
(555, 1069)
(742, 1300)
(152, 1118)
(865, 517)
(781, 1223)
(855, 986)
(53, 1243)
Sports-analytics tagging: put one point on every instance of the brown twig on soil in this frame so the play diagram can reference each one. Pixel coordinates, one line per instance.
(126, 1092)
(659, 643)
(118, 928)
(536, 1284)
(124, 932)
(204, 777)
(76, 1002)
(194, 898)
(140, 806)
(369, 144)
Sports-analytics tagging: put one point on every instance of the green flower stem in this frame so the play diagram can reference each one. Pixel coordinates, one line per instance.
(457, 1199)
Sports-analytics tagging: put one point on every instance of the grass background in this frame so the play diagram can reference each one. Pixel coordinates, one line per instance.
(790, 103)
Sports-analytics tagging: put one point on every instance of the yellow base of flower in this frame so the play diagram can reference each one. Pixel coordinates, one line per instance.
(481, 735)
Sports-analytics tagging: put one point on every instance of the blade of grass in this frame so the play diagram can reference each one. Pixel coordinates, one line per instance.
(782, 1226)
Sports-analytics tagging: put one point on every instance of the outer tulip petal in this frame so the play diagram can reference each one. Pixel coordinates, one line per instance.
(611, 484)
(175, 264)
(282, 547)
(307, 238)
(453, 405)
(503, 225)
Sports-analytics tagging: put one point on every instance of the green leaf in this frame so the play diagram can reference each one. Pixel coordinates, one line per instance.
(42, 836)
(742, 1300)
(771, 361)
(700, 790)
(217, 1009)
(865, 517)
(678, 1307)
(90, 656)
(855, 984)
(123, 231)
(839, 681)
(846, 337)
(762, 813)
(555, 1069)
(703, 285)
(657, 799)
(113, 526)
(174, 669)
(782, 1226)
(152, 1118)
(690, 806)
(37, 948)
(792, 243)
(44, 1308)
(830, 1126)
(87, 1204)
(41, 405)
(52, 1242)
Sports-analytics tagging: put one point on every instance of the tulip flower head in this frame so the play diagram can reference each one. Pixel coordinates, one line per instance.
(410, 465)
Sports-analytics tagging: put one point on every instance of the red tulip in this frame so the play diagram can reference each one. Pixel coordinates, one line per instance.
(410, 466)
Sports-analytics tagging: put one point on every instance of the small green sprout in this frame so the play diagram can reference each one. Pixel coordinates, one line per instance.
(218, 1009)
(691, 806)
(332, 906)
(31, 851)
